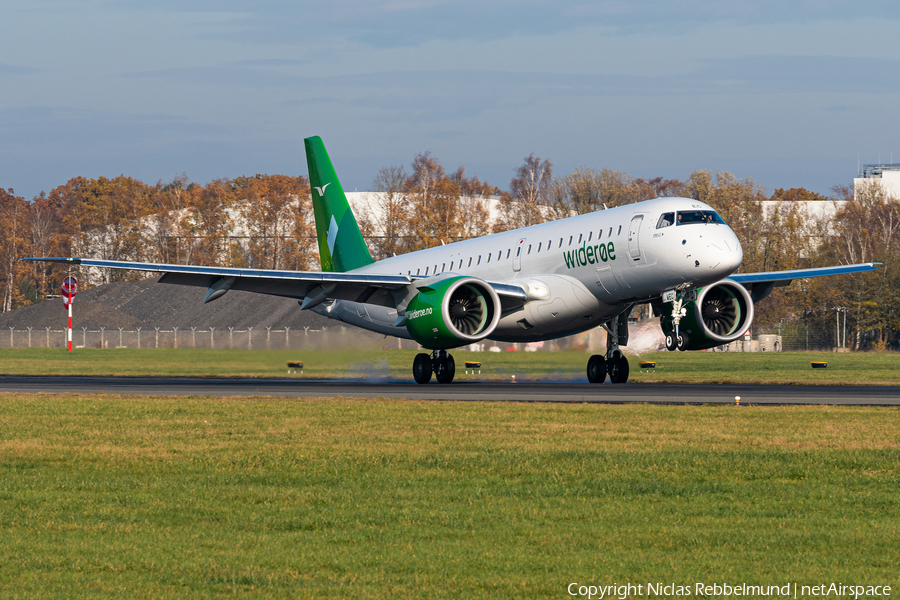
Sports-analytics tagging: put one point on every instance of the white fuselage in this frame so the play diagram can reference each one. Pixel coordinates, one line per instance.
(577, 272)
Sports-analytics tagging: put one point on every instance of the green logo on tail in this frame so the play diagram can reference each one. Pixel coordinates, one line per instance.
(341, 245)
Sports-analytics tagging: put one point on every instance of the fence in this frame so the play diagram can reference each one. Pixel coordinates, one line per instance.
(286, 338)
(266, 338)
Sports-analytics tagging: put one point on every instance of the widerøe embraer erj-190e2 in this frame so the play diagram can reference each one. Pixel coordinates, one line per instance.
(536, 283)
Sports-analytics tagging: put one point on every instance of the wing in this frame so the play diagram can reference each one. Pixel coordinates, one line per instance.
(311, 286)
(761, 285)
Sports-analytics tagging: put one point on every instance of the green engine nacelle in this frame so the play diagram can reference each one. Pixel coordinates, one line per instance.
(453, 312)
(721, 314)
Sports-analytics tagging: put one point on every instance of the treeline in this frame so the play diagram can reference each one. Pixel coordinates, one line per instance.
(266, 222)
(257, 221)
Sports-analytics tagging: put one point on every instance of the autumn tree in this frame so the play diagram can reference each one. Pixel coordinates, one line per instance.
(657, 187)
(866, 229)
(47, 238)
(529, 195)
(586, 190)
(797, 195)
(14, 245)
(105, 218)
(434, 215)
(276, 213)
(209, 224)
(170, 203)
(739, 202)
(385, 220)
(474, 195)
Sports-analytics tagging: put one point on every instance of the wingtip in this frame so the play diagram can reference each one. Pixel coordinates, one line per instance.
(56, 259)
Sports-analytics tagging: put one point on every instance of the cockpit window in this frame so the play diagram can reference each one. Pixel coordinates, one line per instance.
(665, 220)
(690, 217)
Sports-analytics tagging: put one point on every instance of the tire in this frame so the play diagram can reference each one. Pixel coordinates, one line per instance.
(618, 370)
(422, 368)
(596, 369)
(445, 369)
(683, 342)
(671, 342)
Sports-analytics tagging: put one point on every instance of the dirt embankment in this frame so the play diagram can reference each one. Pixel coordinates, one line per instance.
(147, 304)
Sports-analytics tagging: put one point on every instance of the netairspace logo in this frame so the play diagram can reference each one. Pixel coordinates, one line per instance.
(589, 255)
(725, 590)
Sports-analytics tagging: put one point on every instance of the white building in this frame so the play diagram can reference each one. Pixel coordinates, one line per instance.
(885, 176)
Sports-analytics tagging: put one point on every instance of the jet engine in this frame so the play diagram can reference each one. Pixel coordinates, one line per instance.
(720, 314)
(453, 312)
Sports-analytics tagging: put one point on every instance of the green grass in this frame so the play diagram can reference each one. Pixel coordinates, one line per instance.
(104, 496)
(709, 367)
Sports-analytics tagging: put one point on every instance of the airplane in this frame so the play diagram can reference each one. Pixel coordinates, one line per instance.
(531, 284)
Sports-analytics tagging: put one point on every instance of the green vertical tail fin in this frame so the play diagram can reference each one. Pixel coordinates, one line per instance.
(341, 245)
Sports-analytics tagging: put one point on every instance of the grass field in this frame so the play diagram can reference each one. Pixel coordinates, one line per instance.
(115, 497)
(711, 367)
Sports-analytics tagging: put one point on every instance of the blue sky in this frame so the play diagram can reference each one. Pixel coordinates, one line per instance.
(787, 93)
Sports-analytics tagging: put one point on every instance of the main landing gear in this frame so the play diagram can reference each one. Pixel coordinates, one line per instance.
(614, 363)
(440, 363)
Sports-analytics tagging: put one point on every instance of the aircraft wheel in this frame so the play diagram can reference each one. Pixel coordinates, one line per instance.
(671, 342)
(682, 342)
(445, 369)
(422, 368)
(618, 370)
(596, 369)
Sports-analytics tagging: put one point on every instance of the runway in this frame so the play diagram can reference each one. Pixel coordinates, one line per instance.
(461, 390)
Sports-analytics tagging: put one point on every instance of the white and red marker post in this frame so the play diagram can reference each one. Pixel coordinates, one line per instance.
(69, 289)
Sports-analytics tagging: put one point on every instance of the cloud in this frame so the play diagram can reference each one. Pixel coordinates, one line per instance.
(800, 74)
(55, 131)
(224, 76)
(42, 147)
(406, 23)
(465, 92)
(271, 62)
(6, 69)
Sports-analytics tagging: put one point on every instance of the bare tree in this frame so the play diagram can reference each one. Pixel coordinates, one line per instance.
(386, 218)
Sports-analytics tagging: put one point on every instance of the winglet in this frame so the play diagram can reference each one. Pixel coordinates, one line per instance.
(341, 245)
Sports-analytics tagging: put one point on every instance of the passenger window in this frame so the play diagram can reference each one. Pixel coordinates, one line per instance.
(443, 267)
(571, 237)
(610, 232)
(580, 235)
(599, 234)
(529, 248)
(426, 271)
(539, 246)
(560, 242)
(507, 252)
(620, 230)
(479, 260)
(665, 220)
(489, 257)
(417, 272)
(590, 235)
(470, 262)
(500, 255)
(518, 251)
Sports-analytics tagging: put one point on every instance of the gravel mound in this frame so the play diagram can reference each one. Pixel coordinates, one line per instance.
(147, 304)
